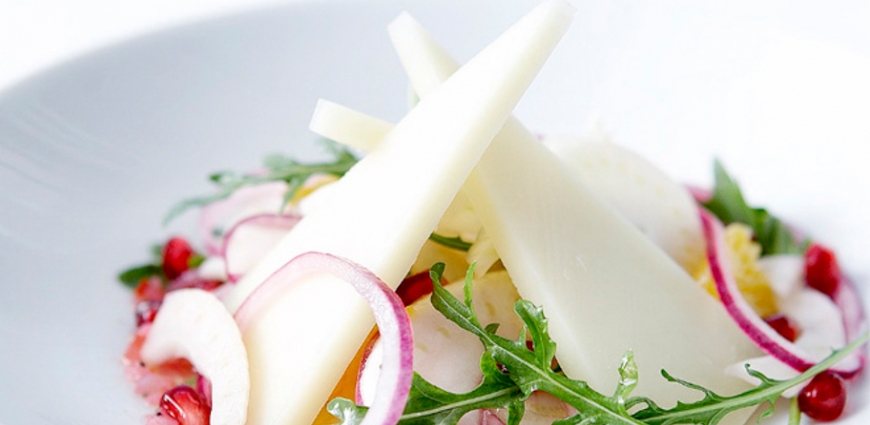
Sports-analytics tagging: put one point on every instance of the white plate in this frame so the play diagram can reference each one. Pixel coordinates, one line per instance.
(93, 152)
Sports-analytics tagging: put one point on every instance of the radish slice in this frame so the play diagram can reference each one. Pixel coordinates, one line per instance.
(393, 323)
(249, 240)
(848, 301)
(785, 272)
(488, 417)
(219, 216)
(193, 324)
(765, 337)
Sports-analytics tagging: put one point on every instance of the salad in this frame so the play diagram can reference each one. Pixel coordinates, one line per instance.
(511, 279)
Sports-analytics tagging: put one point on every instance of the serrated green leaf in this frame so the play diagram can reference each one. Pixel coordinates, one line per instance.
(280, 168)
(627, 380)
(728, 204)
(132, 276)
(512, 372)
(713, 407)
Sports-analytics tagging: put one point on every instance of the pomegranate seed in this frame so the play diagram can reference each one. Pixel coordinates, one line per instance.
(149, 289)
(146, 311)
(176, 257)
(824, 398)
(415, 287)
(822, 270)
(186, 406)
(782, 326)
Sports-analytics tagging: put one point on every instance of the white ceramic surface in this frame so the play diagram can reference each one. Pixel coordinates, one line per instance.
(92, 153)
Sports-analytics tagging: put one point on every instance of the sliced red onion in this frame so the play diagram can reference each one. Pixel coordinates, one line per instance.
(366, 382)
(247, 201)
(393, 322)
(249, 240)
(370, 370)
(754, 326)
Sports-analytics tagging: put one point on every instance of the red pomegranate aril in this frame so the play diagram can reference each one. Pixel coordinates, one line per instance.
(824, 397)
(783, 326)
(186, 406)
(146, 311)
(822, 270)
(176, 257)
(415, 287)
(149, 289)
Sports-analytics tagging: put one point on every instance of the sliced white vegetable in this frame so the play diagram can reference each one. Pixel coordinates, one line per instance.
(660, 208)
(213, 268)
(380, 214)
(251, 239)
(193, 324)
(347, 126)
(218, 217)
(785, 272)
(605, 287)
(540, 409)
(851, 305)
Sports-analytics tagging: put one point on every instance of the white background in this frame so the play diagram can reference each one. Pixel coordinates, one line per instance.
(36, 34)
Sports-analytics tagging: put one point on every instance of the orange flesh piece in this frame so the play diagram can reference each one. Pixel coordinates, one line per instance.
(346, 386)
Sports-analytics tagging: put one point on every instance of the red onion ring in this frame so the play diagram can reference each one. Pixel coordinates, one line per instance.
(280, 223)
(366, 356)
(765, 337)
(393, 322)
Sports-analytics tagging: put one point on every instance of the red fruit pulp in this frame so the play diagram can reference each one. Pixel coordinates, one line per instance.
(149, 289)
(176, 257)
(146, 311)
(824, 398)
(186, 406)
(783, 326)
(822, 270)
(415, 287)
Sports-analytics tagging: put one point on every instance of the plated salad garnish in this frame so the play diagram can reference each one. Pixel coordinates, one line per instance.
(455, 268)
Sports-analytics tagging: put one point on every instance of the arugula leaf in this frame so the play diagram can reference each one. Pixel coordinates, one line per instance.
(430, 405)
(728, 204)
(132, 276)
(527, 371)
(713, 407)
(512, 371)
(279, 168)
(455, 242)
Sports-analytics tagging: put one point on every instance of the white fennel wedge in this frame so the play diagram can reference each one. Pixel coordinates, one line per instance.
(193, 324)
(379, 215)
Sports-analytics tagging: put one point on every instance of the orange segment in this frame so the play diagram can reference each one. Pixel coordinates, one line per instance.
(346, 386)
